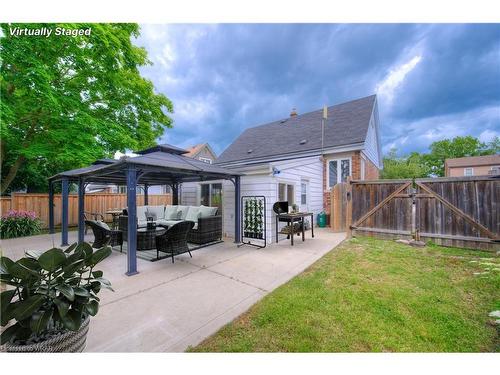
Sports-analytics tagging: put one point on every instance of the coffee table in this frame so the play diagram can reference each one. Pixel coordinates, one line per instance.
(146, 238)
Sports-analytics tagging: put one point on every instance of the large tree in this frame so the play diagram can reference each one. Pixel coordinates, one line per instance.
(69, 100)
(403, 167)
(456, 148)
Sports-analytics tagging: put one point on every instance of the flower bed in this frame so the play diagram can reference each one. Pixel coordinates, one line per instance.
(19, 224)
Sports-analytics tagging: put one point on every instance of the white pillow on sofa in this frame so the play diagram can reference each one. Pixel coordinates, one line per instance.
(156, 211)
(141, 212)
(171, 213)
(102, 224)
(193, 214)
(183, 210)
(208, 211)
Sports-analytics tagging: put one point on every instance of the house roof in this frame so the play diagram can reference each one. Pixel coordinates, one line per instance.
(473, 161)
(196, 149)
(347, 124)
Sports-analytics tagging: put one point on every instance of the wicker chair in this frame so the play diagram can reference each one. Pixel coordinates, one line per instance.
(174, 240)
(105, 236)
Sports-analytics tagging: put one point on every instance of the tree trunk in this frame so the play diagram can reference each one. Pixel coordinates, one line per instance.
(12, 174)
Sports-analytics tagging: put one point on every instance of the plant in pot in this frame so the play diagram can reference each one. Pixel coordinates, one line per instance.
(50, 298)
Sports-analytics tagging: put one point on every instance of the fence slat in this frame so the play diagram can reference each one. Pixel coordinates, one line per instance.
(95, 202)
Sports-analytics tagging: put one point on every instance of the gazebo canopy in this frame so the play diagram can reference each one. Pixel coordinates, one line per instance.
(158, 165)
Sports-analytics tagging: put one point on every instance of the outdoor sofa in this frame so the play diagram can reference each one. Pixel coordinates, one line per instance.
(207, 223)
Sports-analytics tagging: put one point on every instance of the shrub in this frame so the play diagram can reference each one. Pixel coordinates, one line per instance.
(50, 293)
(19, 224)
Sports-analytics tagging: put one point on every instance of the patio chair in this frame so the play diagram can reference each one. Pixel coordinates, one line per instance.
(92, 216)
(174, 240)
(103, 235)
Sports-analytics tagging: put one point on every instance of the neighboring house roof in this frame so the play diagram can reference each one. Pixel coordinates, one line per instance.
(196, 149)
(347, 124)
(473, 161)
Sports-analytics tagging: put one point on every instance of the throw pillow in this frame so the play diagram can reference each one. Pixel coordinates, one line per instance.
(208, 211)
(171, 213)
(102, 224)
(193, 214)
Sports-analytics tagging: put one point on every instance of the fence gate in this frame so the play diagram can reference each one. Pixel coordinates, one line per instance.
(461, 212)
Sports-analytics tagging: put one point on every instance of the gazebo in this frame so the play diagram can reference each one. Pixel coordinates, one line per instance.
(159, 165)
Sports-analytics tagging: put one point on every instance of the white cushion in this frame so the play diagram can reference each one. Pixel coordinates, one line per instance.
(171, 213)
(184, 210)
(193, 214)
(158, 212)
(207, 211)
(141, 212)
(168, 223)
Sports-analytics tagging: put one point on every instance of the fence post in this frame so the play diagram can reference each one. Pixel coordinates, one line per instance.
(51, 207)
(349, 208)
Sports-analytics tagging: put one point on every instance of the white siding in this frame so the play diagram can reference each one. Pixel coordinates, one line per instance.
(292, 172)
(371, 143)
(189, 194)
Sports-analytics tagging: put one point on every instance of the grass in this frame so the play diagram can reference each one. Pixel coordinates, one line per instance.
(372, 295)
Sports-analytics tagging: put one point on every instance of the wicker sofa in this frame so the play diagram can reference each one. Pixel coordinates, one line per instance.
(207, 223)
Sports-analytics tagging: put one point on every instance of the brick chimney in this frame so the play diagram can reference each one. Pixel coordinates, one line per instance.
(294, 112)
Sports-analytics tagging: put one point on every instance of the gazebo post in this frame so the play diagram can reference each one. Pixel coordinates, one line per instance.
(64, 214)
(132, 221)
(51, 207)
(146, 196)
(237, 209)
(81, 209)
(175, 193)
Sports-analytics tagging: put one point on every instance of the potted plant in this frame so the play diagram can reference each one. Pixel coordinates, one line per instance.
(50, 298)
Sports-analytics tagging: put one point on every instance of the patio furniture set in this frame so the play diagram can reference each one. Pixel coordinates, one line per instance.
(167, 229)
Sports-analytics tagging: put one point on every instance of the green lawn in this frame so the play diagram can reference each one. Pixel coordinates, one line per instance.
(371, 295)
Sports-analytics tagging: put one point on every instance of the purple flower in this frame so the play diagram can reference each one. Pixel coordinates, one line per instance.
(19, 214)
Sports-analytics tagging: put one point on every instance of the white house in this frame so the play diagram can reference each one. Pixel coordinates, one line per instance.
(297, 159)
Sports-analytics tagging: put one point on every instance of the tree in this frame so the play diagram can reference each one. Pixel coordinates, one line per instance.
(456, 148)
(403, 167)
(69, 100)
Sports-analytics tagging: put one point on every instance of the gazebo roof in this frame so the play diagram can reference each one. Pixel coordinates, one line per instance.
(158, 165)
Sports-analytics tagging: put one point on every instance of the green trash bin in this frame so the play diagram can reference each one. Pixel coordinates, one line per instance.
(322, 219)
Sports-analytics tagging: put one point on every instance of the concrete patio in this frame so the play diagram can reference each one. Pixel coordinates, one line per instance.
(168, 307)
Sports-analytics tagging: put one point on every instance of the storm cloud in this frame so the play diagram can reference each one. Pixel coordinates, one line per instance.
(432, 81)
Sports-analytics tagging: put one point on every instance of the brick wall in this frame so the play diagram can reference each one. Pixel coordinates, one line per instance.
(371, 173)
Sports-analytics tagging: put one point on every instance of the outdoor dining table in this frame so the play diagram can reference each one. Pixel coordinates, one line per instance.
(291, 218)
(115, 213)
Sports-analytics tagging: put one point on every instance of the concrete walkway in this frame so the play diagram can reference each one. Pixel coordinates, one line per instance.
(168, 307)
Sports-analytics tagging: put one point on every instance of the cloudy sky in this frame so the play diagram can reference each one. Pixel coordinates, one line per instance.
(432, 81)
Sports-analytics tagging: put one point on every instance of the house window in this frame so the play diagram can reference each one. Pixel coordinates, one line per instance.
(303, 192)
(122, 189)
(468, 171)
(286, 193)
(205, 160)
(211, 195)
(338, 171)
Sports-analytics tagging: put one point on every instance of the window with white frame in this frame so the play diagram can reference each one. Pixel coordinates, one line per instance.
(303, 192)
(338, 170)
(468, 171)
(211, 195)
(286, 193)
(205, 160)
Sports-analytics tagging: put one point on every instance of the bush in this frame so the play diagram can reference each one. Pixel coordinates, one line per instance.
(19, 224)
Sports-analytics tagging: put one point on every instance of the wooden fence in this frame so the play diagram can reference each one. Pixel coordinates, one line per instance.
(95, 202)
(461, 212)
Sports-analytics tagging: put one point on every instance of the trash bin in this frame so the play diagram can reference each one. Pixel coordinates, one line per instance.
(321, 219)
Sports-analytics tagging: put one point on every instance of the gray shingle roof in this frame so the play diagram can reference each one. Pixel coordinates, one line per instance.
(347, 124)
